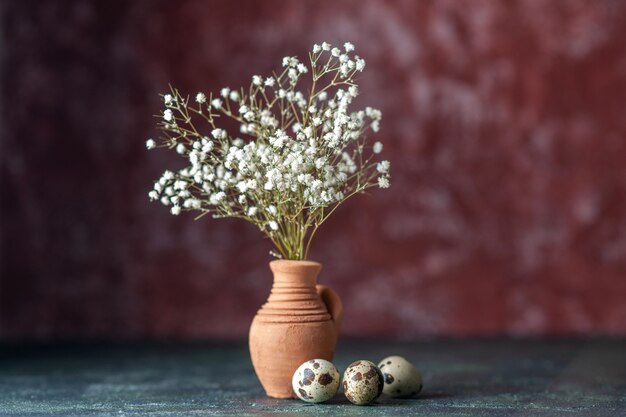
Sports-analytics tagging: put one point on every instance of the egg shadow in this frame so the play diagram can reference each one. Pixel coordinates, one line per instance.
(338, 399)
(383, 400)
(424, 396)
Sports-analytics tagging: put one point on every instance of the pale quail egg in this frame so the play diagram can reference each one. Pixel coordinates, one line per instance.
(362, 382)
(315, 381)
(402, 379)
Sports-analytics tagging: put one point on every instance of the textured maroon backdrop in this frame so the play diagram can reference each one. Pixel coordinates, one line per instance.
(505, 123)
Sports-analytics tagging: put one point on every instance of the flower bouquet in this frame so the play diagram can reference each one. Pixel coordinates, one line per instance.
(282, 153)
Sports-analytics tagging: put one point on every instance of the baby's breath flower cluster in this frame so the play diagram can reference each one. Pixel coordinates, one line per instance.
(298, 155)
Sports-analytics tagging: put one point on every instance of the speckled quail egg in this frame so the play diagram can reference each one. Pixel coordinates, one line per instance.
(402, 379)
(362, 382)
(315, 381)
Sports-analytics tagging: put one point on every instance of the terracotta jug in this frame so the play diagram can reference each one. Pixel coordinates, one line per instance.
(300, 321)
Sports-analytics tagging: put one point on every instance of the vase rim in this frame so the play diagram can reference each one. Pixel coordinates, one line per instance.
(289, 264)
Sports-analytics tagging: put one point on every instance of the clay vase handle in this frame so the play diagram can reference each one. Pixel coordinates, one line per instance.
(333, 304)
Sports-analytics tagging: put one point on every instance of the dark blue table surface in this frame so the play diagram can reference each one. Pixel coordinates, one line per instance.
(461, 378)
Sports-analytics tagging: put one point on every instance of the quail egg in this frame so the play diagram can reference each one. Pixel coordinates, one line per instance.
(402, 379)
(362, 382)
(315, 381)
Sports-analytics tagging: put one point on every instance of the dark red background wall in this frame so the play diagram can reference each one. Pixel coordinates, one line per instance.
(505, 123)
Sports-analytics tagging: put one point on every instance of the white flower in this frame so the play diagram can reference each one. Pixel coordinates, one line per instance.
(150, 144)
(372, 113)
(252, 211)
(383, 167)
(326, 46)
(180, 148)
(348, 47)
(375, 126)
(243, 186)
(377, 148)
(192, 203)
(217, 197)
(383, 182)
(360, 64)
(224, 92)
(200, 98)
(272, 210)
(175, 210)
(257, 80)
(273, 225)
(180, 185)
(269, 81)
(168, 99)
(335, 52)
(234, 95)
(302, 69)
(316, 48)
(219, 133)
(153, 195)
(216, 103)
(168, 115)
(207, 146)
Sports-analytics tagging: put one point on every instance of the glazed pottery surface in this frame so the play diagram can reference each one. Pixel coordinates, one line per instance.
(300, 321)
